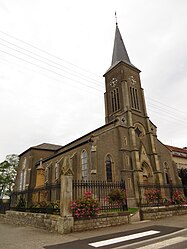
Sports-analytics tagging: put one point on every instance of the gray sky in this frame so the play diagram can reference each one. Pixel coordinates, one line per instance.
(53, 55)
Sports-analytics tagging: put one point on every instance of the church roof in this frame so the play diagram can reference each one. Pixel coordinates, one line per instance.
(44, 146)
(47, 146)
(119, 51)
(85, 139)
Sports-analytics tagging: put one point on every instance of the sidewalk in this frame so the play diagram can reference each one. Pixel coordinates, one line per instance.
(20, 237)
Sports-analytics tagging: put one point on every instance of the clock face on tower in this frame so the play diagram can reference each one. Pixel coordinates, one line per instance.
(113, 82)
(132, 80)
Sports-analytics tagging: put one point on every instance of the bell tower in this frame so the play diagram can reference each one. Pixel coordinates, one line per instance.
(125, 106)
(123, 86)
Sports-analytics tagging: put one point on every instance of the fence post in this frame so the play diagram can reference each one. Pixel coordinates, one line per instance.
(171, 190)
(66, 222)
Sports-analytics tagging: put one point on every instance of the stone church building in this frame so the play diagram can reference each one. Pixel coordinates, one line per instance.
(125, 148)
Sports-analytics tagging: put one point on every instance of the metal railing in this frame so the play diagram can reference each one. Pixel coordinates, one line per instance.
(51, 194)
(100, 191)
(47, 193)
(158, 195)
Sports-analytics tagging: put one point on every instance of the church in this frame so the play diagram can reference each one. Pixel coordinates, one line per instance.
(125, 148)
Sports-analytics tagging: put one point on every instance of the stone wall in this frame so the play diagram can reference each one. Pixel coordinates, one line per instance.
(53, 223)
(152, 213)
(103, 220)
(56, 223)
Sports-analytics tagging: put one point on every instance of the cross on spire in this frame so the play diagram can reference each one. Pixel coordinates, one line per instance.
(116, 18)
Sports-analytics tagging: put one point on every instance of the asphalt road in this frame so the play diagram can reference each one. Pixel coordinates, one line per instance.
(119, 240)
(165, 233)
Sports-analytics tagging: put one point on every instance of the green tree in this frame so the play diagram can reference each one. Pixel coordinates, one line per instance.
(183, 175)
(8, 171)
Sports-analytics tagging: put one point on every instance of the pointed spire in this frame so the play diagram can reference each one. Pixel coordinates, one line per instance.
(119, 50)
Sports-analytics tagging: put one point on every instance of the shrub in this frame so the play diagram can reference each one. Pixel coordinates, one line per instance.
(166, 202)
(45, 207)
(85, 207)
(117, 196)
(153, 195)
(178, 198)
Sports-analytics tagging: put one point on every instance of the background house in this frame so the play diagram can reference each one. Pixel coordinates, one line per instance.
(179, 156)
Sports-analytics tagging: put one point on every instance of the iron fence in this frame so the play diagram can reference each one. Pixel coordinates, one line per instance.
(48, 193)
(100, 190)
(157, 195)
(51, 194)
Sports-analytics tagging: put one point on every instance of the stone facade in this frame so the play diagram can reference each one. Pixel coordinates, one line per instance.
(125, 148)
(27, 169)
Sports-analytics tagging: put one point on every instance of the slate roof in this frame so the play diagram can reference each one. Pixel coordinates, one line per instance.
(47, 146)
(119, 51)
(44, 146)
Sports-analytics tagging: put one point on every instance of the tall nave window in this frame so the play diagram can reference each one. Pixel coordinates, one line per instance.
(23, 175)
(108, 168)
(84, 165)
(115, 100)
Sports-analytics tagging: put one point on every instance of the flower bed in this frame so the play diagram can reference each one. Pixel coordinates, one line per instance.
(85, 207)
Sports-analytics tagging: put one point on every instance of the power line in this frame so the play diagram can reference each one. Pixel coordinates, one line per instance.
(47, 69)
(169, 118)
(43, 51)
(171, 122)
(157, 107)
(41, 73)
(77, 73)
(166, 105)
(170, 114)
(51, 65)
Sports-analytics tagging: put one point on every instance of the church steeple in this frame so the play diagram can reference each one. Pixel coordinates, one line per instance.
(123, 87)
(119, 50)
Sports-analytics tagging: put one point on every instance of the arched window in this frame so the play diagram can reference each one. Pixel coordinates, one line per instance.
(166, 170)
(115, 100)
(134, 98)
(47, 174)
(24, 178)
(109, 168)
(84, 165)
(23, 175)
(21, 180)
(56, 171)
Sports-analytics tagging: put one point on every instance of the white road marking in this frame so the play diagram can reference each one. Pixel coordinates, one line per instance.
(164, 243)
(123, 238)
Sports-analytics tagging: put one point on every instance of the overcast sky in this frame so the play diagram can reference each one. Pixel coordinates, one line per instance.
(53, 54)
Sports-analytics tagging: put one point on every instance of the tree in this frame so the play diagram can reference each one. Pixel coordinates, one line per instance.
(183, 175)
(8, 171)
